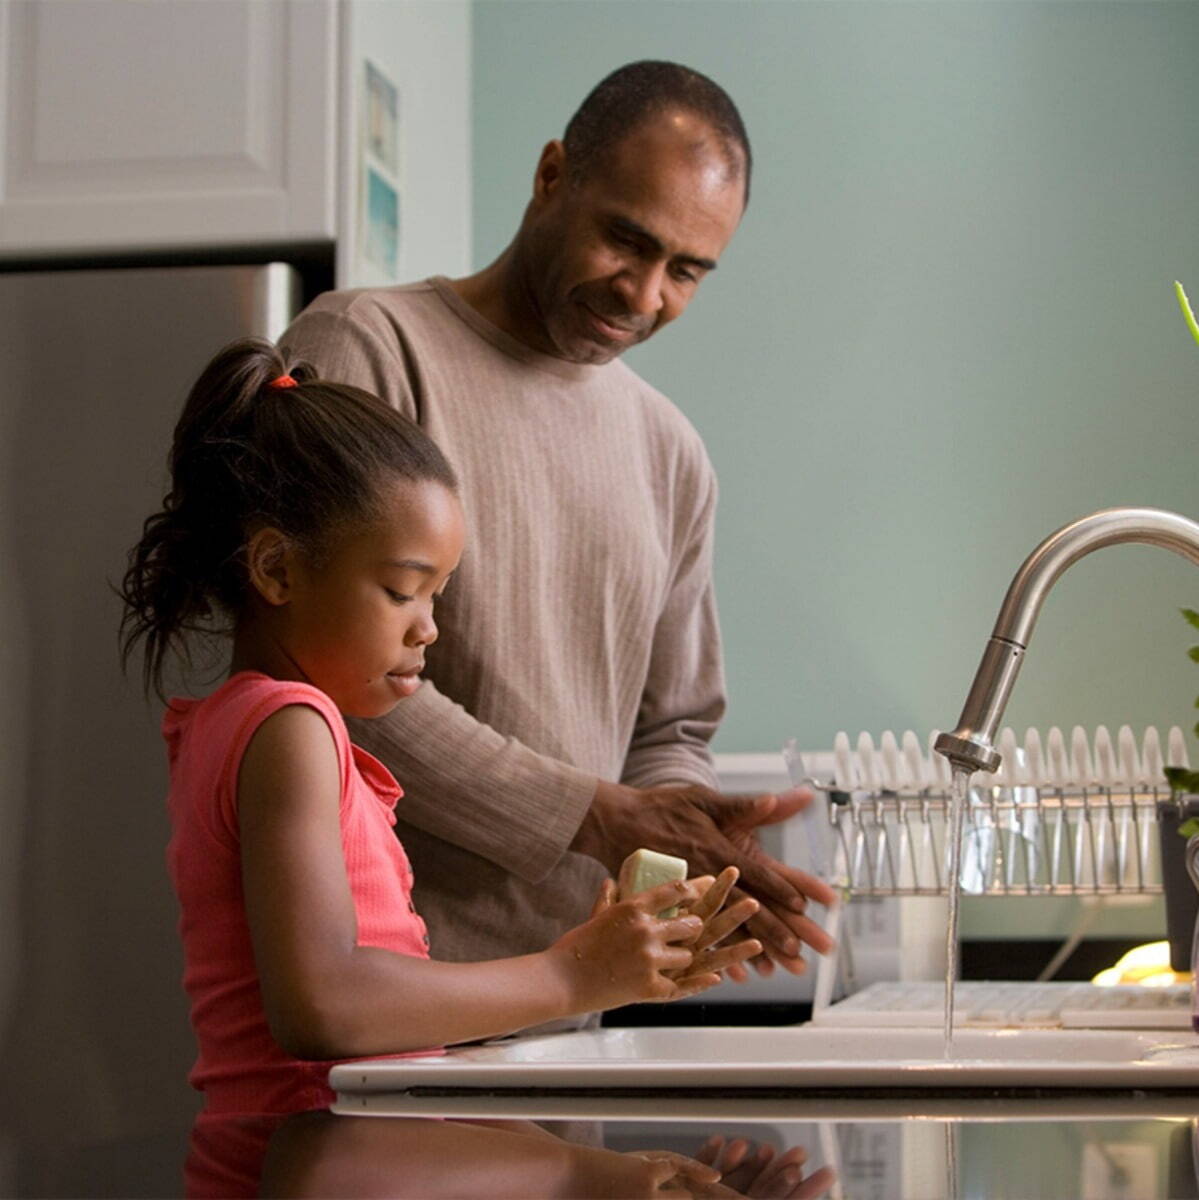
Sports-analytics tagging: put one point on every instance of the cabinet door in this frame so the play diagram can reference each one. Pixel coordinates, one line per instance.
(134, 124)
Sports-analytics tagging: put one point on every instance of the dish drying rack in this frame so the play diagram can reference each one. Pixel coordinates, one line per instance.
(1056, 819)
(1083, 818)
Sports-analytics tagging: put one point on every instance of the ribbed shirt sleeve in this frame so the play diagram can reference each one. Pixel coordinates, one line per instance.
(684, 696)
(477, 789)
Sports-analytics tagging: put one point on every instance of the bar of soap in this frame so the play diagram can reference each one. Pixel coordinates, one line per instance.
(645, 869)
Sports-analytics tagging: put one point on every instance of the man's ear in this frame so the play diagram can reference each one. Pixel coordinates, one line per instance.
(270, 565)
(550, 175)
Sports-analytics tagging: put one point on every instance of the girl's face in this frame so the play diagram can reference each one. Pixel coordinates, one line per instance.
(356, 624)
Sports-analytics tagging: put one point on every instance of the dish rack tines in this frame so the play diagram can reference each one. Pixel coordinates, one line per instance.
(1061, 817)
(1015, 842)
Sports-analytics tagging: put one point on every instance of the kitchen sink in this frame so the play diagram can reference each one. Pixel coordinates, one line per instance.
(794, 1057)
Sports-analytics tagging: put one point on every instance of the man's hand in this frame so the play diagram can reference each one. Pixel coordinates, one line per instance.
(749, 1169)
(712, 831)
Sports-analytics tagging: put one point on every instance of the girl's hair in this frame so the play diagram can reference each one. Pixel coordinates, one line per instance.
(249, 453)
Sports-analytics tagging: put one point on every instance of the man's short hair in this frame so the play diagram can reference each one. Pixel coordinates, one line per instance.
(633, 93)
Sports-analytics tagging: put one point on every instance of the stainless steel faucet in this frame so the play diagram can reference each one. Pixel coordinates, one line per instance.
(970, 745)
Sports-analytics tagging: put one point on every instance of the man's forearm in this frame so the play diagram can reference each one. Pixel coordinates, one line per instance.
(470, 786)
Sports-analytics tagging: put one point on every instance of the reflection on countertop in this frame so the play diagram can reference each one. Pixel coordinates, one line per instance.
(323, 1154)
(1130, 1146)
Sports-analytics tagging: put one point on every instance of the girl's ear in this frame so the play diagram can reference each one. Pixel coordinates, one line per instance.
(270, 565)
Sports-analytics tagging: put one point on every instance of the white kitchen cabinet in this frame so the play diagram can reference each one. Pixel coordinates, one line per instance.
(128, 125)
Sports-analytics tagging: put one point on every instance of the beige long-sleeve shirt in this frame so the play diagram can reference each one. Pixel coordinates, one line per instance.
(578, 638)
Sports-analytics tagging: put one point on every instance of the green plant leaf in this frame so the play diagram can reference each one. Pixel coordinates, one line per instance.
(1191, 615)
(1193, 654)
(1187, 315)
(1188, 829)
(1182, 780)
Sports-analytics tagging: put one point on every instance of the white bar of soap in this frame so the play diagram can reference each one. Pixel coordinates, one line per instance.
(645, 869)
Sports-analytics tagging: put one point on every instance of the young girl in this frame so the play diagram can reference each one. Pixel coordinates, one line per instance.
(316, 526)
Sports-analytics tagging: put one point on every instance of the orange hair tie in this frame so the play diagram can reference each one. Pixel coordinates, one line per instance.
(284, 381)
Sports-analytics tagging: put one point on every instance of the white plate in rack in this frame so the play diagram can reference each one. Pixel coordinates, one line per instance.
(793, 1057)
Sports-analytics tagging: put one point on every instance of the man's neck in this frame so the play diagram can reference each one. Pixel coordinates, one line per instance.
(497, 295)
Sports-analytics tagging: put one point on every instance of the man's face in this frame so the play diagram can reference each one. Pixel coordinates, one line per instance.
(614, 257)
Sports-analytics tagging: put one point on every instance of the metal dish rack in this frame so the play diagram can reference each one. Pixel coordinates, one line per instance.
(1019, 841)
(1078, 819)
(1052, 824)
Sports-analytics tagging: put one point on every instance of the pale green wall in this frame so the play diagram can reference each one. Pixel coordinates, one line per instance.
(946, 327)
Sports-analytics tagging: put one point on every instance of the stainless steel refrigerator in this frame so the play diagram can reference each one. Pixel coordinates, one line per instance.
(94, 367)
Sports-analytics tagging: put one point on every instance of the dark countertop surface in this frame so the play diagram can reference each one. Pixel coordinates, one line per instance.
(991, 1146)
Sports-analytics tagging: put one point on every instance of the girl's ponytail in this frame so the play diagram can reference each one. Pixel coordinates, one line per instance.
(188, 555)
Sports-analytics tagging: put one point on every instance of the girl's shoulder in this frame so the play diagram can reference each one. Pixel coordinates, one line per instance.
(228, 718)
(208, 738)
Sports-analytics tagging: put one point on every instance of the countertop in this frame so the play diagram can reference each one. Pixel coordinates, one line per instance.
(1030, 1146)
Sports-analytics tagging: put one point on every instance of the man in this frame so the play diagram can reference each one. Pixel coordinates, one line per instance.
(566, 716)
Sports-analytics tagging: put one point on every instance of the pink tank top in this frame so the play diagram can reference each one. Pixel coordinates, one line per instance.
(240, 1068)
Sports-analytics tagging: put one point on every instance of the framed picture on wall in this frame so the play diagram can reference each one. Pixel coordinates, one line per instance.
(382, 240)
(382, 112)
(379, 173)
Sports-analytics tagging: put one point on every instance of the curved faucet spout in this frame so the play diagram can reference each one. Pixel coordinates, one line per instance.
(970, 745)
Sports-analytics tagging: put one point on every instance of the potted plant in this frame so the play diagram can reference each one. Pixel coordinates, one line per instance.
(1180, 779)
(1182, 900)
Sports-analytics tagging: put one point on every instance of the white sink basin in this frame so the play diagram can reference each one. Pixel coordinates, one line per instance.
(797, 1057)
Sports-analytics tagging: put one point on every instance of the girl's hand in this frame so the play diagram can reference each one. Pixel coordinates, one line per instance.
(718, 923)
(659, 1173)
(625, 953)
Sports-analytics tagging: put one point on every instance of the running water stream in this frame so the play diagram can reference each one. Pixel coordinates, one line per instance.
(951, 1160)
(958, 798)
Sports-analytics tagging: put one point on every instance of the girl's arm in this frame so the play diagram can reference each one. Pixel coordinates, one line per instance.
(321, 1154)
(326, 997)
